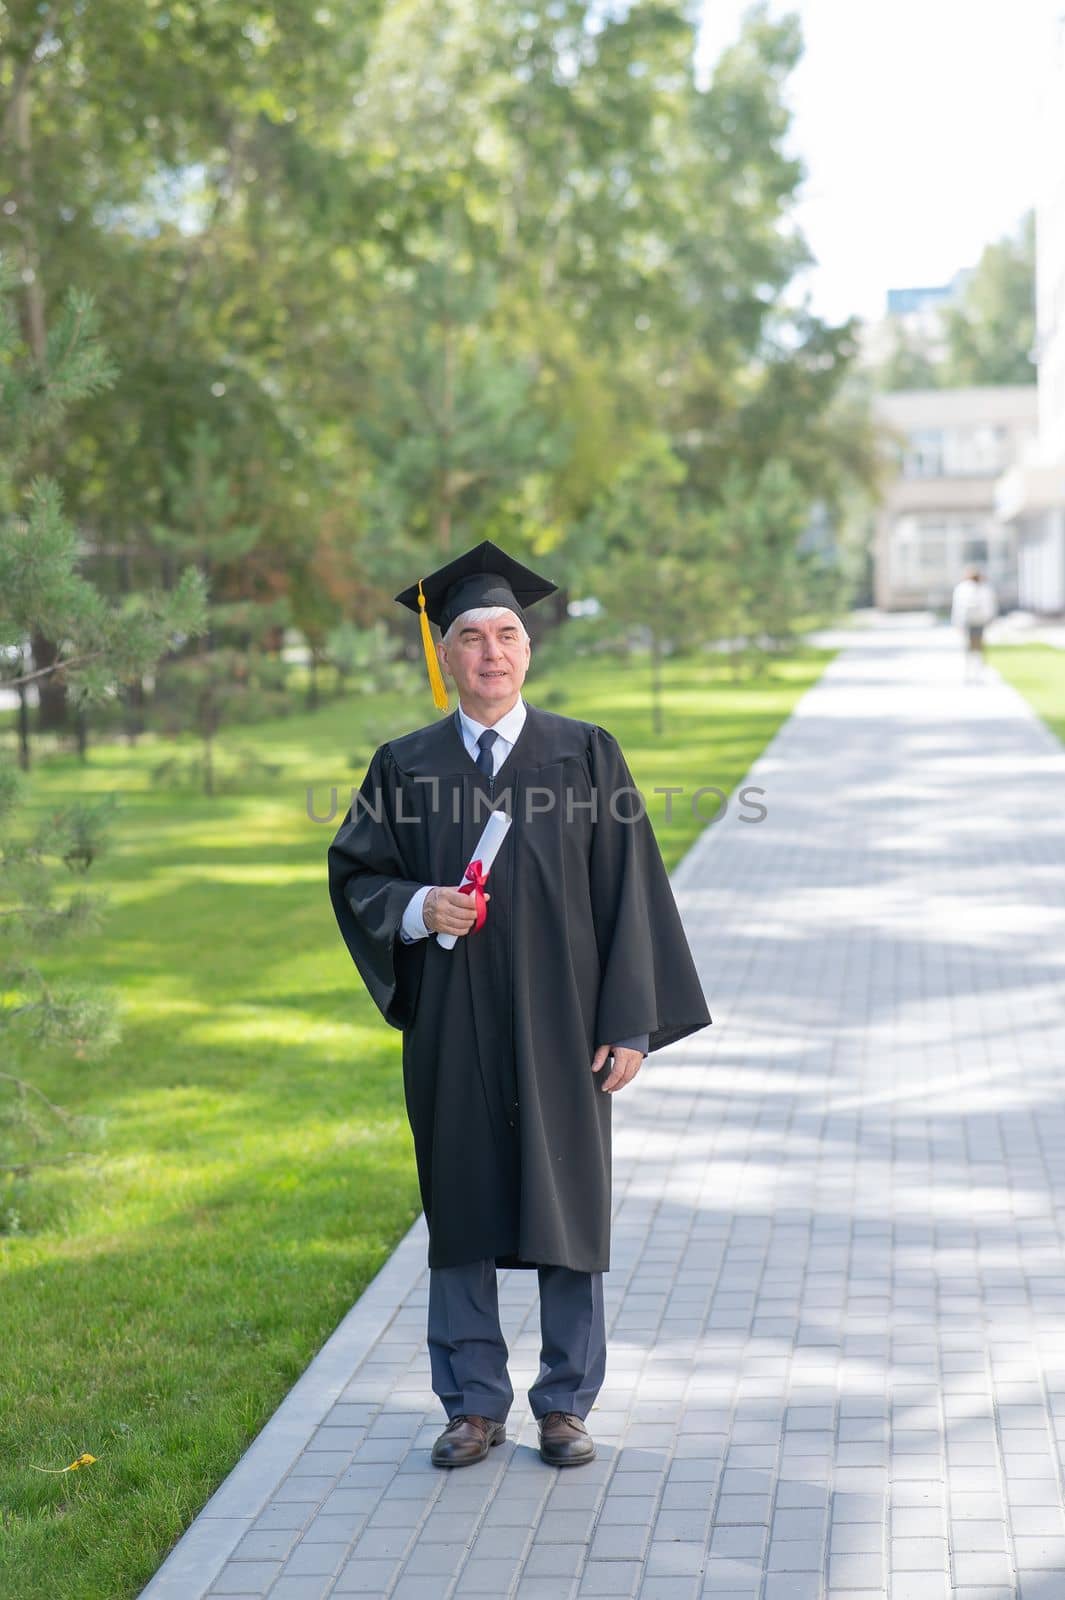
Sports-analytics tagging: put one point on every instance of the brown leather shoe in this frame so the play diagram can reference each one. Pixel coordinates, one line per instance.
(564, 1440)
(467, 1439)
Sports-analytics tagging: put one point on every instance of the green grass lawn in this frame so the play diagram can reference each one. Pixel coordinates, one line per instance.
(255, 1166)
(1038, 672)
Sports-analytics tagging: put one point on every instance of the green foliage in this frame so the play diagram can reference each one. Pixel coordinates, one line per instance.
(991, 334)
(99, 645)
(233, 678)
(989, 337)
(755, 537)
(455, 431)
(421, 275)
(370, 660)
(233, 773)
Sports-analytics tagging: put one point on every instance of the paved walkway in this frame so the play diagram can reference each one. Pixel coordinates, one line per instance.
(837, 1302)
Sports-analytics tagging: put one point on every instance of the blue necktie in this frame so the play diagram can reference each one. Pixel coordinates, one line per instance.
(485, 763)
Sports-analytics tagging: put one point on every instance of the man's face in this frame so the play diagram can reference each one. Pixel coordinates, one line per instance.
(488, 660)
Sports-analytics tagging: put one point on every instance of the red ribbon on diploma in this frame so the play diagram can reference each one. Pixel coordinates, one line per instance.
(477, 876)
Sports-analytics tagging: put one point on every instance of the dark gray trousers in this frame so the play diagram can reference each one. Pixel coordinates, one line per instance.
(468, 1354)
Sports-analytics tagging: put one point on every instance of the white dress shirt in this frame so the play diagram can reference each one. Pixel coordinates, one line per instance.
(506, 730)
(973, 603)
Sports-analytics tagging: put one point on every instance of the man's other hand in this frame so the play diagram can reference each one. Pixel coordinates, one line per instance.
(447, 911)
(627, 1064)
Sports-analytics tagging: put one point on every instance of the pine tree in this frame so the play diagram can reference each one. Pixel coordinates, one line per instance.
(234, 677)
(97, 646)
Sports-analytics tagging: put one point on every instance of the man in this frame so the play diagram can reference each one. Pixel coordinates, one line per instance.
(972, 607)
(515, 1039)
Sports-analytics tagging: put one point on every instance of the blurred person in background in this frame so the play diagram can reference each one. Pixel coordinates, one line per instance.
(972, 607)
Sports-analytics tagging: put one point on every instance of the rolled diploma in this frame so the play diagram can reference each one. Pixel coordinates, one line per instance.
(495, 831)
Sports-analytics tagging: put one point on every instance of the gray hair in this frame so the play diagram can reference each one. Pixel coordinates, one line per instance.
(483, 614)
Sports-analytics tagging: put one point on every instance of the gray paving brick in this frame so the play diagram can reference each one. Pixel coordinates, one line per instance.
(610, 1578)
(731, 1508)
(980, 1567)
(1037, 1584)
(263, 1545)
(921, 1554)
(293, 1514)
(796, 1555)
(555, 1560)
(1032, 1520)
(1040, 1552)
(691, 1524)
(307, 1588)
(857, 1538)
(246, 1577)
(321, 1463)
(669, 1588)
(554, 1588)
(302, 1489)
(798, 1523)
(802, 1483)
(921, 1586)
(748, 1543)
(618, 1543)
(793, 1586)
(330, 1529)
(313, 1559)
(857, 1594)
(486, 1577)
(365, 1577)
(856, 1570)
(421, 1587)
(433, 1558)
(979, 1535)
(674, 1557)
(628, 1509)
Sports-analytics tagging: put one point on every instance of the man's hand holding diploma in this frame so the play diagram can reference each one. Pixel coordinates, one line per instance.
(448, 911)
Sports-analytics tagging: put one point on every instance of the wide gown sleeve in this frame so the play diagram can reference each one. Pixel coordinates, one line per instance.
(648, 981)
(370, 887)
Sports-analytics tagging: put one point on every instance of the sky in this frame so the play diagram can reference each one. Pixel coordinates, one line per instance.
(919, 123)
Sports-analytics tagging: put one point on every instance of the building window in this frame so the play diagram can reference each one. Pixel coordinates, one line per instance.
(923, 457)
(976, 451)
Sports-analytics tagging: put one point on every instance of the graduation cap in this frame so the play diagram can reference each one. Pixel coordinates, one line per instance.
(483, 576)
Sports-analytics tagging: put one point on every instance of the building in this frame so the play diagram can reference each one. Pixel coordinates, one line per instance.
(1030, 498)
(938, 515)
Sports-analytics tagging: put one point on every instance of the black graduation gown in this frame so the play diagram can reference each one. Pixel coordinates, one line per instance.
(583, 945)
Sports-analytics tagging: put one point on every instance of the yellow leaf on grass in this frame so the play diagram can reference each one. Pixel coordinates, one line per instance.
(82, 1461)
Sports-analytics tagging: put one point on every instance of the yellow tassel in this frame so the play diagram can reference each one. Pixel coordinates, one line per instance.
(436, 680)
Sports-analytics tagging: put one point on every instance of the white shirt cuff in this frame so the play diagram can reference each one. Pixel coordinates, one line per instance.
(413, 926)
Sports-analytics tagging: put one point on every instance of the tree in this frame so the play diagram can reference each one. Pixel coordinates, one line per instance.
(909, 363)
(96, 647)
(233, 677)
(988, 336)
(646, 561)
(991, 334)
(455, 434)
(758, 568)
